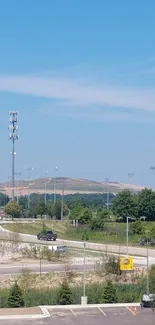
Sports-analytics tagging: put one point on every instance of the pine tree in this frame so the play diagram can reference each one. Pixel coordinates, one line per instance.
(15, 298)
(109, 294)
(65, 294)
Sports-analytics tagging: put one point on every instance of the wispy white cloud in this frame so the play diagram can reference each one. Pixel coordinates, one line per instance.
(80, 93)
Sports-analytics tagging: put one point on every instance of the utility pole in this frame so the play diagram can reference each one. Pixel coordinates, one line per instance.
(13, 136)
(147, 274)
(127, 235)
(46, 172)
(84, 298)
(56, 169)
(62, 201)
(29, 169)
(10, 183)
(107, 190)
(17, 175)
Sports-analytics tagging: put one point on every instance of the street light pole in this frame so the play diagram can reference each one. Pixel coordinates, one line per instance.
(17, 174)
(29, 169)
(13, 136)
(127, 234)
(46, 172)
(56, 169)
(62, 201)
(147, 272)
(107, 190)
(84, 269)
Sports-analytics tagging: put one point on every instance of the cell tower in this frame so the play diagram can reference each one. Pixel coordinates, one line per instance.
(13, 135)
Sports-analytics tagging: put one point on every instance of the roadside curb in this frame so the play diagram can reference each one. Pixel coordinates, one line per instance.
(136, 304)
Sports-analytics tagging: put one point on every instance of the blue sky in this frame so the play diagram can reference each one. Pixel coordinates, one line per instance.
(81, 74)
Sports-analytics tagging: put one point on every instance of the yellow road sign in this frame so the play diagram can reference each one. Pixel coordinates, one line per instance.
(126, 263)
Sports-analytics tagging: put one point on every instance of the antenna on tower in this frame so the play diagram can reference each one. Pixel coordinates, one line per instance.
(13, 136)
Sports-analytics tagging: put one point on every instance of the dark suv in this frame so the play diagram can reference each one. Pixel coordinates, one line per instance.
(47, 235)
(147, 241)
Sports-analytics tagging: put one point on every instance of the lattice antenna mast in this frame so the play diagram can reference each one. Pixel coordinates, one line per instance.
(13, 136)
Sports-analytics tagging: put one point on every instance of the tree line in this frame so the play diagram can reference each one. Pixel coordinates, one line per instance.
(83, 206)
(140, 205)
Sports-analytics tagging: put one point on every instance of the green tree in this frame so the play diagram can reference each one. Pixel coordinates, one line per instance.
(109, 294)
(77, 209)
(97, 223)
(152, 278)
(56, 209)
(4, 199)
(124, 204)
(85, 236)
(37, 209)
(85, 216)
(13, 209)
(65, 294)
(15, 298)
(137, 227)
(146, 204)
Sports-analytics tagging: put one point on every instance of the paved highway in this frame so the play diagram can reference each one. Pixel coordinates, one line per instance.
(18, 269)
(134, 251)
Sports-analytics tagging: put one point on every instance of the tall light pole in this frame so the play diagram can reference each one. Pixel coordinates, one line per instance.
(127, 235)
(10, 182)
(84, 269)
(46, 173)
(18, 175)
(84, 298)
(29, 169)
(55, 169)
(107, 191)
(62, 200)
(13, 136)
(147, 273)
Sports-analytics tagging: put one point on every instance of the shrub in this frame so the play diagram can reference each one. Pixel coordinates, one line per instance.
(15, 298)
(65, 294)
(109, 294)
(137, 228)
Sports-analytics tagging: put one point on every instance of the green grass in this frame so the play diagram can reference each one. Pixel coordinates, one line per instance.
(115, 232)
(33, 297)
(34, 228)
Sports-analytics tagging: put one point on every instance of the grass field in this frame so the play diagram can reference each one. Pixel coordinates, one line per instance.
(114, 232)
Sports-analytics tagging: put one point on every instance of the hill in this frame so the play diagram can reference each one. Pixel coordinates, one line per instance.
(70, 185)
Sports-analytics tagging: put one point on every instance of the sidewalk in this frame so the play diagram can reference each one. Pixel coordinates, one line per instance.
(23, 313)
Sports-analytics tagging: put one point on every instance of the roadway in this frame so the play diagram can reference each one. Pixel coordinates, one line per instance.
(110, 248)
(139, 253)
(37, 268)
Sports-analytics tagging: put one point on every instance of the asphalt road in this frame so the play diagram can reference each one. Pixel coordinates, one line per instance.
(135, 251)
(108, 316)
(7, 270)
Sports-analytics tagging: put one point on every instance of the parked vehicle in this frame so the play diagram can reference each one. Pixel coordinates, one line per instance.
(147, 241)
(47, 235)
(148, 300)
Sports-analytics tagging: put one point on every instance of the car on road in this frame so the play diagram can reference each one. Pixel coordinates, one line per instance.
(47, 235)
(147, 241)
